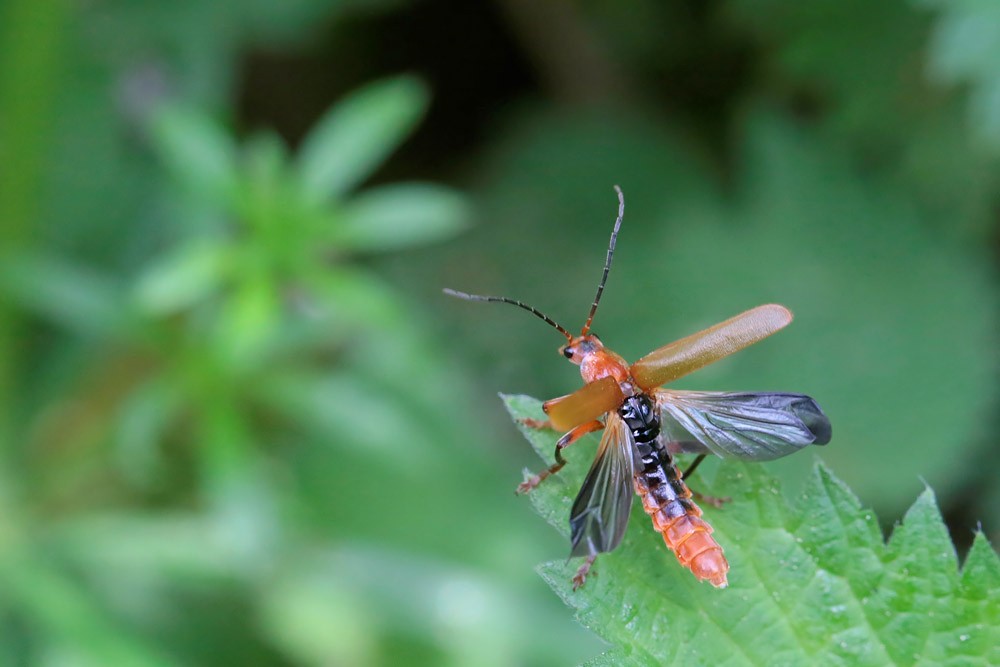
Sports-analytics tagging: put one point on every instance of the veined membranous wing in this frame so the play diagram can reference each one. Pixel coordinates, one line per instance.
(743, 425)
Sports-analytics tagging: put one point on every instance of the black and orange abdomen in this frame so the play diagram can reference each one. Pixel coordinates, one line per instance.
(667, 500)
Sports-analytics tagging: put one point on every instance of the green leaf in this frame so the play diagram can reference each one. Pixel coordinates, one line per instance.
(197, 151)
(182, 277)
(350, 413)
(265, 203)
(68, 616)
(357, 134)
(74, 296)
(812, 583)
(397, 216)
(248, 322)
(351, 298)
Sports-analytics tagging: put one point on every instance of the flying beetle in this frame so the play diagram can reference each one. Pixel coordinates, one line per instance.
(645, 426)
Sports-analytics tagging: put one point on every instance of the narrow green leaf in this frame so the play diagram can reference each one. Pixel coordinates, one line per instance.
(67, 615)
(351, 298)
(200, 154)
(248, 322)
(349, 412)
(159, 546)
(810, 584)
(357, 134)
(74, 296)
(397, 216)
(265, 202)
(182, 277)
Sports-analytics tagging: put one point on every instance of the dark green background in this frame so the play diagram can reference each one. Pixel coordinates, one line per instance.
(236, 429)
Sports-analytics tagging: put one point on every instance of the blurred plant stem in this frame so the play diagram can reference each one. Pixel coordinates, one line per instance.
(31, 35)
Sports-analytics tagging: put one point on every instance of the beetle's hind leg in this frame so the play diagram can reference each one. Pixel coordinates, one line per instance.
(701, 498)
(564, 442)
(580, 578)
(714, 501)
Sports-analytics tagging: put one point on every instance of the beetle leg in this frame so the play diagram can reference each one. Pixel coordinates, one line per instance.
(537, 423)
(565, 441)
(580, 578)
(694, 466)
(701, 498)
(714, 501)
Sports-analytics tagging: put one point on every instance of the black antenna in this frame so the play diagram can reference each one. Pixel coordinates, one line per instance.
(503, 299)
(607, 262)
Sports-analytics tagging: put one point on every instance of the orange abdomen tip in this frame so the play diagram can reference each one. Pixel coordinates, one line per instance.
(690, 538)
(678, 520)
(711, 566)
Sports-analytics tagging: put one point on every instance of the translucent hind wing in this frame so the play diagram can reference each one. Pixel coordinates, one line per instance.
(600, 512)
(686, 355)
(747, 426)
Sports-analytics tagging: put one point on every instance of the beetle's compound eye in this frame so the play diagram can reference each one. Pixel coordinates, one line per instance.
(567, 351)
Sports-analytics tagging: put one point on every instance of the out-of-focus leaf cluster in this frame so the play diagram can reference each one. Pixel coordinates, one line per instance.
(236, 411)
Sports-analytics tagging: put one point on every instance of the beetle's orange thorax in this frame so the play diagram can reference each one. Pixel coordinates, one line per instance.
(602, 364)
(595, 360)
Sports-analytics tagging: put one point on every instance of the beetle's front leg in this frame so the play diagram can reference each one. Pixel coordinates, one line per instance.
(564, 442)
(537, 423)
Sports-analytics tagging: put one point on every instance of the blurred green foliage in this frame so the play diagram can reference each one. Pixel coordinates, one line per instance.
(240, 425)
